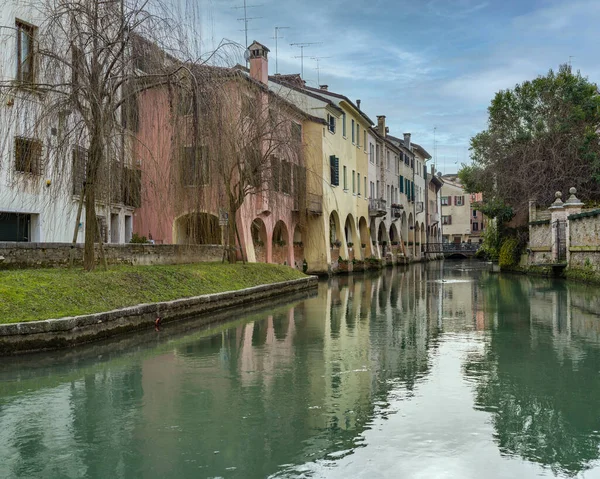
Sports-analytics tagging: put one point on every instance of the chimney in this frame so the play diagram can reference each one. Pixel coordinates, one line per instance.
(259, 62)
(407, 140)
(358, 104)
(323, 87)
(381, 129)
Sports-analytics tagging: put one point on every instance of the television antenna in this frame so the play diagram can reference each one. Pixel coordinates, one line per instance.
(318, 59)
(276, 37)
(302, 46)
(246, 19)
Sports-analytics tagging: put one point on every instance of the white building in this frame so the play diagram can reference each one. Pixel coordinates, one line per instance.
(456, 211)
(39, 187)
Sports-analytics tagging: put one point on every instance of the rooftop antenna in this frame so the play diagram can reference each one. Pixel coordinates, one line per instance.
(246, 19)
(318, 59)
(302, 45)
(276, 37)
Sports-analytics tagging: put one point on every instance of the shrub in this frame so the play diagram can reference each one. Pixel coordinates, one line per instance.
(138, 239)
(509, 253)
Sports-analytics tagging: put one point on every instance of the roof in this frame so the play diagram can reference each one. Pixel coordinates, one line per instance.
(341, 97)
(398, 141)
(422, 151)
(258, 44)
(291, 81)
(389, 142)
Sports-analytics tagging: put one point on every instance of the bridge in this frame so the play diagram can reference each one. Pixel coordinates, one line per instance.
(453, 250)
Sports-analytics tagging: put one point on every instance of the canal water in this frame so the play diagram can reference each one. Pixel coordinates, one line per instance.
(433, 371)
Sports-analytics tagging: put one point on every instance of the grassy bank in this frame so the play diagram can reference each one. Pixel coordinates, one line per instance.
(34, 294)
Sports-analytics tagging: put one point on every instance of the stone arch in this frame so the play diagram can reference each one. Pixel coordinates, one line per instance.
(351, 237)
(411, 234)
(404, 229)
(394, 236)
(336, 237)
(416, 235)
(282, 249)
(197, 228)
(365, 239)
(258, 233)
(373, 230)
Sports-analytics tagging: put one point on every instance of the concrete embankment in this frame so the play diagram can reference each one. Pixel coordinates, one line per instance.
(65, 332)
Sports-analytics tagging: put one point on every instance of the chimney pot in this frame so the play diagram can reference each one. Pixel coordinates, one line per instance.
(259, 62)
(381, 128)
(407, 140)
(358, 104)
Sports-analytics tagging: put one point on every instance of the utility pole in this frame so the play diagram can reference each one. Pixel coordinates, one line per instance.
(276, 37)
(246, 19)
(303, 45)
(318, 59)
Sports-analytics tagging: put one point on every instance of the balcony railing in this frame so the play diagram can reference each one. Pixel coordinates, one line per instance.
(377, 207)
(419, 207)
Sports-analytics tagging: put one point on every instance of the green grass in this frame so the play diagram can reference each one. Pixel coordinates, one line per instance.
(35, 294)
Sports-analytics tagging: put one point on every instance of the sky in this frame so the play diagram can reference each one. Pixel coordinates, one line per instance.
(431, 66)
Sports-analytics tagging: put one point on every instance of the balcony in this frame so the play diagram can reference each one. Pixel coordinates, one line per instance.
(419, 207)
(314, 204)
(377, 207)
(434, 218)
(397, 210)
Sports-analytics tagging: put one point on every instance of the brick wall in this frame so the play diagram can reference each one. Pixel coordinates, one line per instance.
(37, 255)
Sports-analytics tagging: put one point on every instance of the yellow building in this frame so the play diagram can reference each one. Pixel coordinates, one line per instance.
(337, 178)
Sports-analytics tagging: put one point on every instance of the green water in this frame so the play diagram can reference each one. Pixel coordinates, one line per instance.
(432, 371)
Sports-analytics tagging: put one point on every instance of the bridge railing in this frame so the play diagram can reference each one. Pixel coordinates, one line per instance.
(468, 248)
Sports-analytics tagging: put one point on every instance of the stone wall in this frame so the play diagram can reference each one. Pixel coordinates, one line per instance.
(540, 242)
(584, 247)
(37, 255)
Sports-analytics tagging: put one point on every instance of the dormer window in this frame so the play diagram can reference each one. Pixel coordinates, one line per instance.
(331, 123)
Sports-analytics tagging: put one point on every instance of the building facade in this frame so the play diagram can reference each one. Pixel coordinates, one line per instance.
(456, 211)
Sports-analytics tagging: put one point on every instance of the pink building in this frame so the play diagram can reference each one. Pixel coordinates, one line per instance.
(185, 194)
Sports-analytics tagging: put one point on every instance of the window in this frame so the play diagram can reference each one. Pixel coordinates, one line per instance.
(25, 52)
(459, 200)
(28, 155)
(79, 166)
(286, 177)
(296, 132)
(276, 173)
(474, 213)
(365, 181)
(344, 124)
(194, 166)
(334, 167)
(358, 135)
(331, 123)
(475, 226)
(388, 161)
(371, 152)
(353, 183)
(102, 227)
(447, 220)
(365, 139)
(345, 179)
(372, 193)
(358, 183)
(353, 139)
(401, 183)
(377, 155)
(445, 201)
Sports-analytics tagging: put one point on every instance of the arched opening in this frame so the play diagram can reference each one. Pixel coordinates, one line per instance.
(373, 231)
(417, 240)
(365, 240)
(382, 239)
(280, 243)
(411, 235)
(404, 231)
(351, 236)
(258, 231)
(335, 239)
(298, 248)
(197, 228)
(394, 238)
(423, 237)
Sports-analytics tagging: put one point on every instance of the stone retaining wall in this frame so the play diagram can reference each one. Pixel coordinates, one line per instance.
(42, 255)
(62, 333)
(540, 242)
(584, 244)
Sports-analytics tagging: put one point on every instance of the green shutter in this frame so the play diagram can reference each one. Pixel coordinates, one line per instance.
(334, 164)
(401, 183)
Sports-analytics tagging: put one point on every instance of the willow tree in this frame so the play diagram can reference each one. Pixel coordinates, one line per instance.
(83, 79)
(236, 145)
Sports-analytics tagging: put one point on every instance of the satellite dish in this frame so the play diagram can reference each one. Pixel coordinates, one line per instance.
(246, 55)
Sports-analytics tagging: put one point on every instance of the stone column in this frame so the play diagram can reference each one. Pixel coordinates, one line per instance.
(572, 206)
(557, 211)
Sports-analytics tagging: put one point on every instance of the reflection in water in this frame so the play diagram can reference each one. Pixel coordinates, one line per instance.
(424, 371)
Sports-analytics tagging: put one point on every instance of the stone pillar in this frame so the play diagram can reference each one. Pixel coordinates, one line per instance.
(557, 211)
(572, 206)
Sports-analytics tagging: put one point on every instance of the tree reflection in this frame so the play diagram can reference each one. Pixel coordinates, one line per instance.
(537, 380)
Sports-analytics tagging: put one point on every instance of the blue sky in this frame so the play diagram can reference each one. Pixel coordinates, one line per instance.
(422, 63)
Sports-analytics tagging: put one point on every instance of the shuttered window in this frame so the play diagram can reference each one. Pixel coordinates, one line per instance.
(334, 166)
